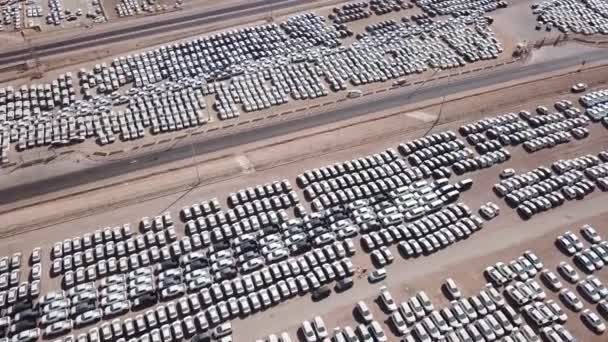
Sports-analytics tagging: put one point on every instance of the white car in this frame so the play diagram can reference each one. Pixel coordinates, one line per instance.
(88, 317)
(114, 288)
(113, 297)
(377, 275)
(589, 233)
(36, 271)
(86, 287)
(324, 239)
(579, 88)
(4, 264)
(27, 336)
(56, 305)
(364, 312)
(277, 255)
(593, 321)
(296, 238)
(173, 291)
(51, 296)
(507, 173)
(195, 274)
(140, 272)
(452, 289)
(364, 333)
(113, 280)
(222, 330)
(117, 308)
(54, 316)
(199, 283)
(398, 323)
(347, 232)
(252, 265)
(568, 272)
(140, 290)
(85, 297)
(376, 330)
(571, 300)
(57, 328)
(320, 327)
(551, 280)
(489, 210)
(387, 299)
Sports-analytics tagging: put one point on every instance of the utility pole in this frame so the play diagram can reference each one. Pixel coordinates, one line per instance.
(33, 59)
(198, 175)
(194, 162)
(440, 110)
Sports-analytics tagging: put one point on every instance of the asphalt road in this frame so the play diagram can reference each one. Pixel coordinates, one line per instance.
(141, 30)
(204, 146)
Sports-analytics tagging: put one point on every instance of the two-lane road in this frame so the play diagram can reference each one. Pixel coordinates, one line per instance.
(147, 29)
(12, 194)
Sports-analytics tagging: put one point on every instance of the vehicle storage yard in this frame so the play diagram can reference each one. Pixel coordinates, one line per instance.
(474, 213)
(98, 103)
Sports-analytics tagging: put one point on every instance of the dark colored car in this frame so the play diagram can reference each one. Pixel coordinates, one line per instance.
(205, 337)
(320, 293)
(344, 284)
(144, 301)
(226, 273)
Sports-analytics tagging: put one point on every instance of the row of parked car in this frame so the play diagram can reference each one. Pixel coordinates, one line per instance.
(585, 17)
(548, 316)
(485, 316)
(252, 68)
(545, 188)
(589, 260)
(525, 314)
(437, 229)
(84, 304)
(544, 130)
(350, 12)
(458, 8)
(14, 289)
(245, 295)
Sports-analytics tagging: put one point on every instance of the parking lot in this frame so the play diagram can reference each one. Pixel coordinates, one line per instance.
(249, 70)
(496, 235)
(578, 17)
(51, 15)
(112, 111)
(293, 250)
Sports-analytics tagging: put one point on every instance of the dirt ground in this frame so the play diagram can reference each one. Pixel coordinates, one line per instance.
(502, 239)
(187, 6)
(504, 28)
(281, 151)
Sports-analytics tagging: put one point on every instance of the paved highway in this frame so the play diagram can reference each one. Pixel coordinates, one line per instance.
(204, 146)
(160, 26)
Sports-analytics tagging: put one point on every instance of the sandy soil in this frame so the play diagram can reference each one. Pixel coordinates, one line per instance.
(474, 105)
(187, 6)
(501, 240)
(502, 27)
(51, 70)
(89, 147)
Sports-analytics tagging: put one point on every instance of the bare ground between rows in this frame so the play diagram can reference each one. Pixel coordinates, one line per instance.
(305, 148)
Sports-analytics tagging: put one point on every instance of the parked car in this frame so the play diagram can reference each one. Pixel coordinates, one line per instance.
(377, 275)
